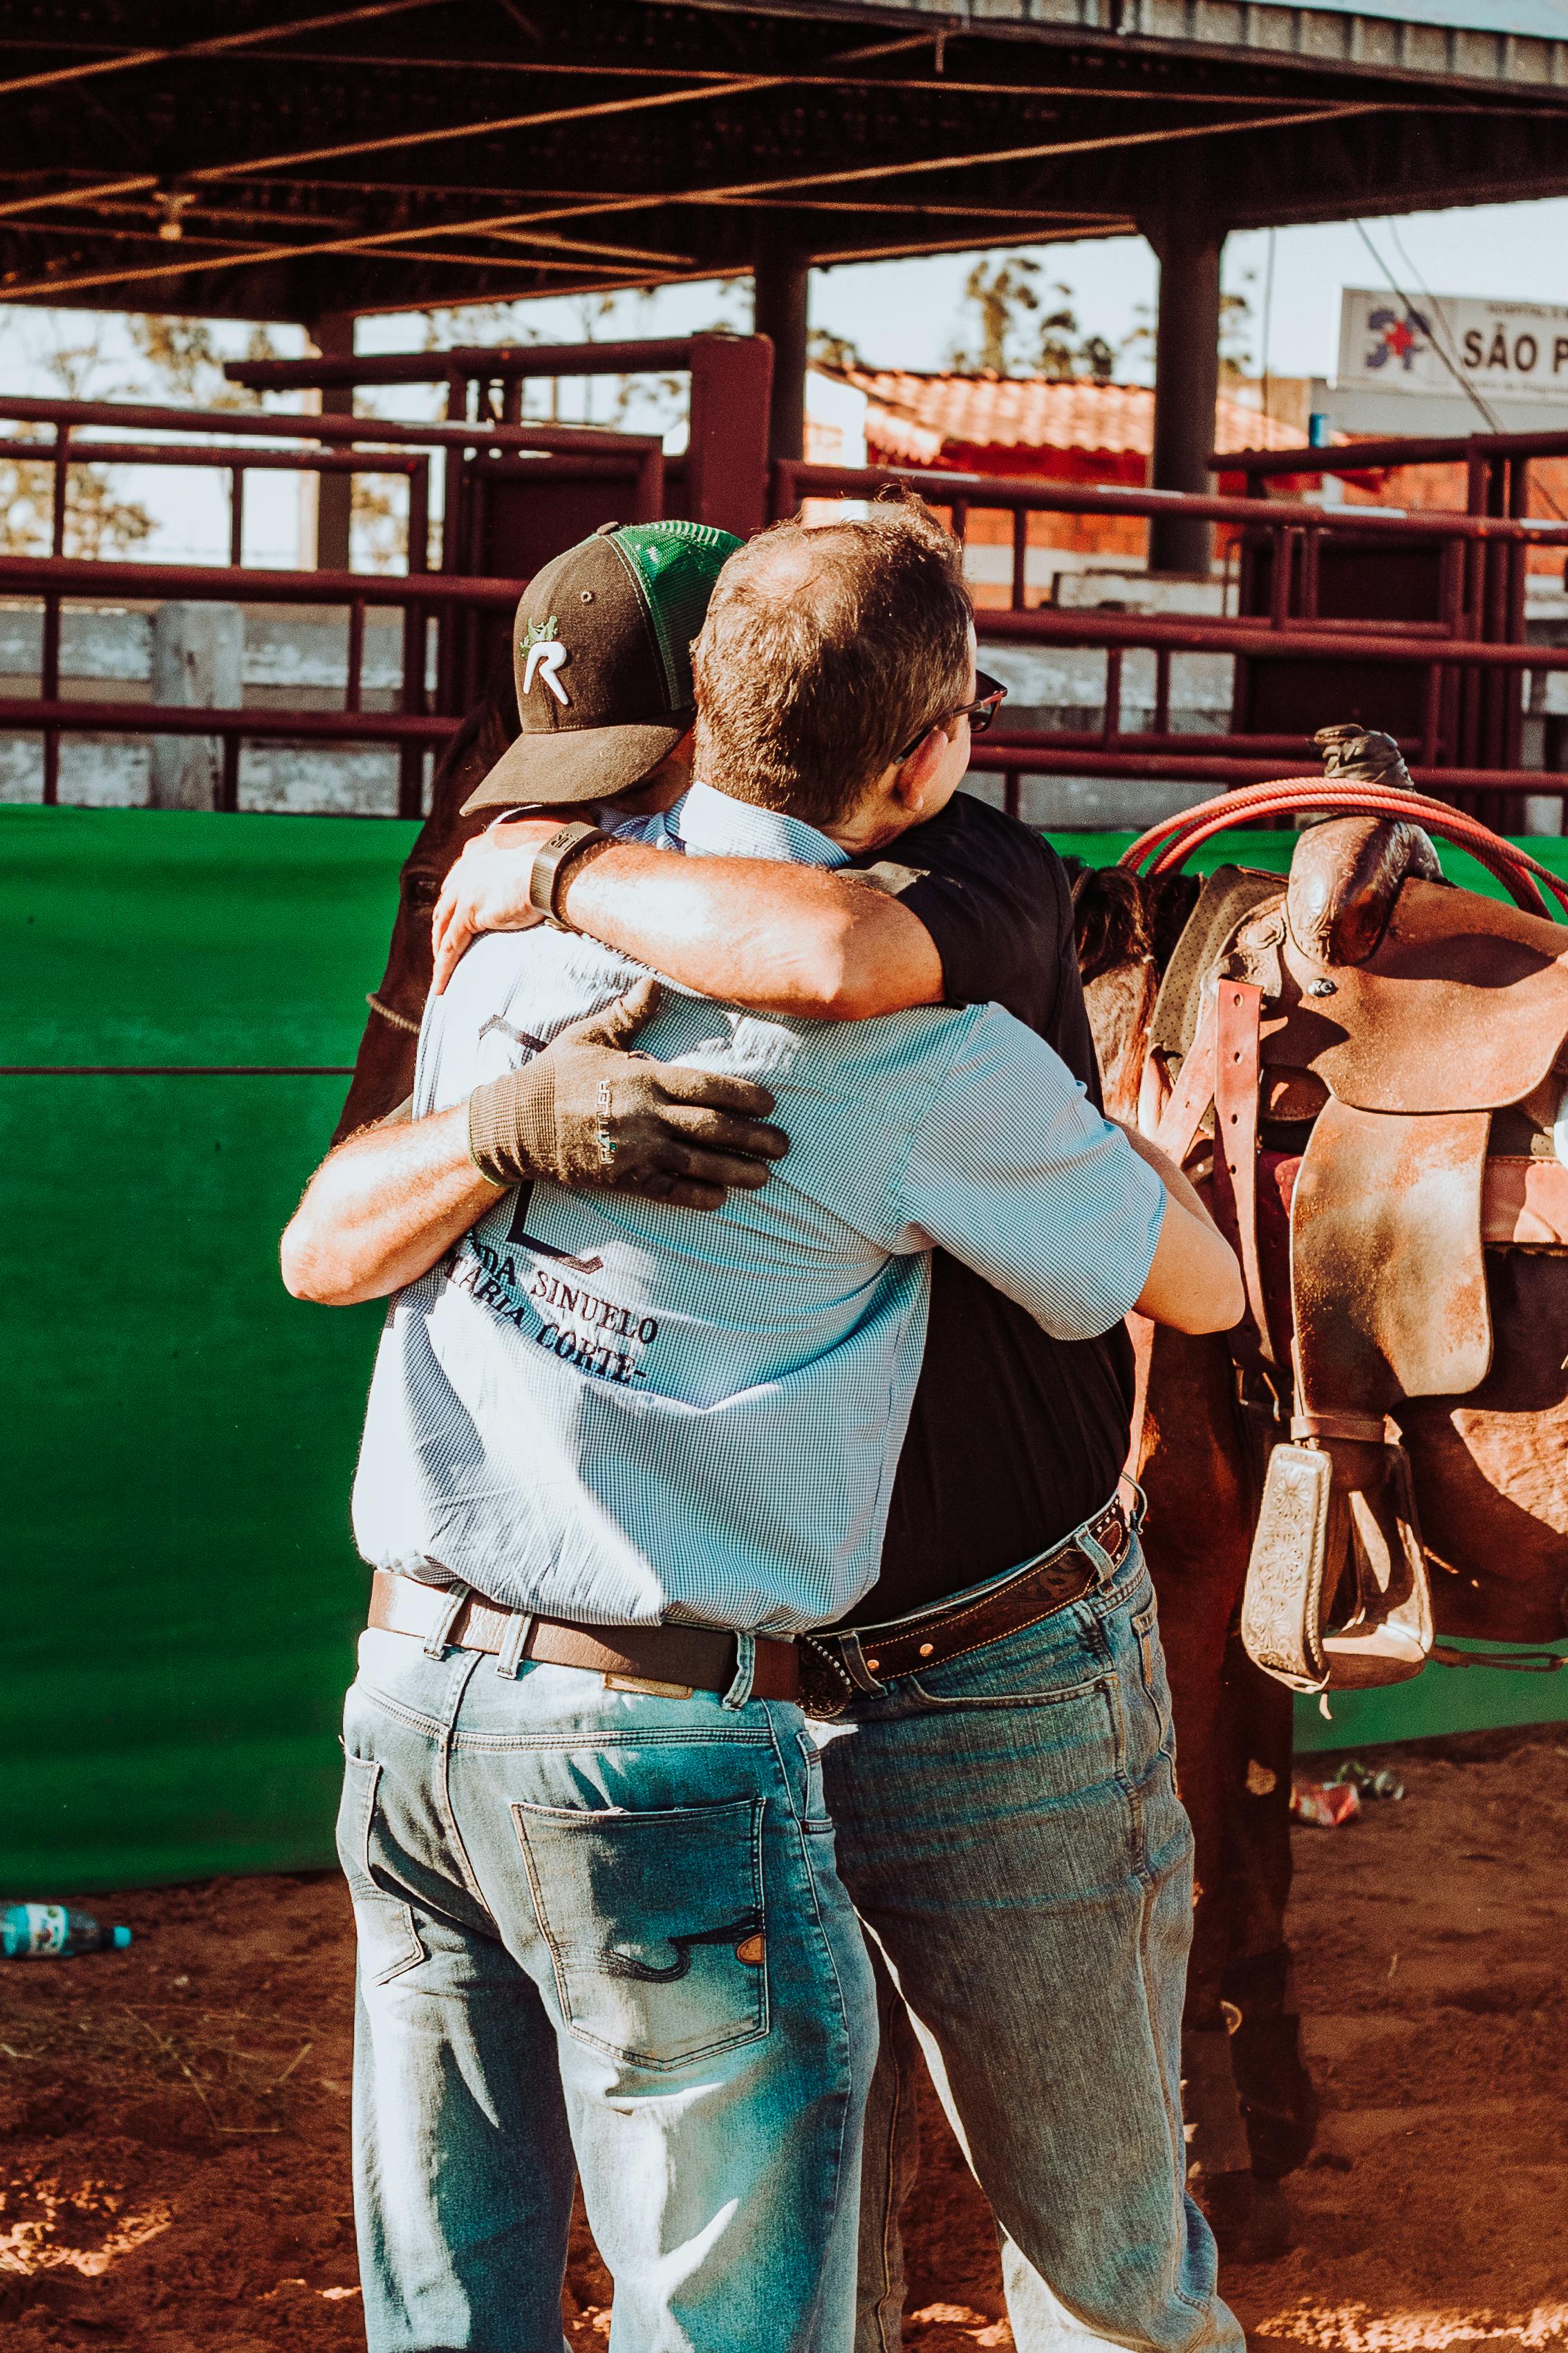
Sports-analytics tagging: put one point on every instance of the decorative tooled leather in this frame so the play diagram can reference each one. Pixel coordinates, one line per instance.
(1282, 1608)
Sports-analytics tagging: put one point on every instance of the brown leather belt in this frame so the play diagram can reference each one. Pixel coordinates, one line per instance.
(835, 1666)
(668, 1661)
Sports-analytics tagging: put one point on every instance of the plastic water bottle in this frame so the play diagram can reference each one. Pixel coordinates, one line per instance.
(40, 1932)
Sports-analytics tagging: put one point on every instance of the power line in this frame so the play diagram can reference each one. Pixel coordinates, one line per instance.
(1433, 315)
(1463, 381)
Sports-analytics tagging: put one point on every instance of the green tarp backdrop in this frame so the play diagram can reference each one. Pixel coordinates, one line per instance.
(176, 1435)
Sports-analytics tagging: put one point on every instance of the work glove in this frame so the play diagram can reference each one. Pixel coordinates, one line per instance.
(589, 1114)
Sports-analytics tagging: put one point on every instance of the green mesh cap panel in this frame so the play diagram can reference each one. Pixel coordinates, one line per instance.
(675, 566)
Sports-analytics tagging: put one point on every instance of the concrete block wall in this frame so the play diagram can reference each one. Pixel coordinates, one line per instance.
(292, 656)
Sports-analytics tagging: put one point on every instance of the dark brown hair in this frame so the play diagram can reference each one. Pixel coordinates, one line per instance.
(824, 654)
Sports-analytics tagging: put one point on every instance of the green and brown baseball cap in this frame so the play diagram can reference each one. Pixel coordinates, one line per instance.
(602, 658)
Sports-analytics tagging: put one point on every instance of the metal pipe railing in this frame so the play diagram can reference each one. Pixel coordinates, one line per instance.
(472, 362)
(282, 424)
(1394, 450)
(794, 479)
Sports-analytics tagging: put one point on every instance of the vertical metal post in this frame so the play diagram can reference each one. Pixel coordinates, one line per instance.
(49, 679)
(62, 484)
(1311, 544)
(1020, 557)
(236, 513)
(780, 283)
(353, 689)
(1517, 556)
(726, 457)
(1186, 377)
(49, 688)
(333, 335)
(1110, 718)
(1162, 691)
(454, 535)
(416, 631)
(648, 497)
(1283, 543)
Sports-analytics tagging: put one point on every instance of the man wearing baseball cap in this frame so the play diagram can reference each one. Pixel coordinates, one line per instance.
(602, 666)
(661, 1524)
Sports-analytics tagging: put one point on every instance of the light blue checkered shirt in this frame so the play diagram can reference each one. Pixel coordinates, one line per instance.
(606, 1409)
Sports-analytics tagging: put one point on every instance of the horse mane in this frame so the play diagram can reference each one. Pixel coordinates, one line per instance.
(1121, 918)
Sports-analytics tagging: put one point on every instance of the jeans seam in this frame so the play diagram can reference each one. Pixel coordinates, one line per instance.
(889, 2216)
(443, 1793)
(842, 2005)
(1175, 2133)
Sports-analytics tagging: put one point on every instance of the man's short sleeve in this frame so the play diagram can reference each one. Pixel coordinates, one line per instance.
(1013, 1171)
(994, 899)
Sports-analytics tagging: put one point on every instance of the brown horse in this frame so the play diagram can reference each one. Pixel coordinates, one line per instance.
(384, 1066)
(1487, 1472)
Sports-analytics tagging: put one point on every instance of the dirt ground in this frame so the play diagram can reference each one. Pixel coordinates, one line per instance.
(174, 2120)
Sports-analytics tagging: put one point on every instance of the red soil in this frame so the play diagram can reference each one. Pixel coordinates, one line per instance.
(174, 2120)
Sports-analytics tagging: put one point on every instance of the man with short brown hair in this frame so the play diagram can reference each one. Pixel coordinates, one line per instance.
(824, 654)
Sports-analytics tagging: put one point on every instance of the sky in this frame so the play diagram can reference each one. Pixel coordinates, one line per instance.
(899, 313)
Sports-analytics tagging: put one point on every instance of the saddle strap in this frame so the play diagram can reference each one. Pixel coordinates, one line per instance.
(1238, 1014)
(1194, 1091)
(1360, 1428)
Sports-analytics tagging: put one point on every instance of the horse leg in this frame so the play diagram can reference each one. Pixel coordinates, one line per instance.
(1279, 2103)
(1197, 1538)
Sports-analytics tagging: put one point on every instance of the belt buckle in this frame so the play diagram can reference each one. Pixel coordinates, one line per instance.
(824, 1689)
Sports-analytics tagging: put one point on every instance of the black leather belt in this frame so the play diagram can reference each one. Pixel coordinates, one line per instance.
(668, 1662)
(836, 1665)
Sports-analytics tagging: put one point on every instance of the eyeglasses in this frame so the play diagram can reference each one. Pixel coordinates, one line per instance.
(979, 714)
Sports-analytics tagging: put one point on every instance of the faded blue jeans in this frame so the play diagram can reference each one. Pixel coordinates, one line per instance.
(601, 1928)
(1010, 1834)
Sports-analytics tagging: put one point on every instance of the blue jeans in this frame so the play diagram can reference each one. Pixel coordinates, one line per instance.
(601, 1928)
(1010, 1834)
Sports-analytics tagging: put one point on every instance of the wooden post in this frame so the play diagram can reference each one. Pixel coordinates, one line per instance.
(198, 662)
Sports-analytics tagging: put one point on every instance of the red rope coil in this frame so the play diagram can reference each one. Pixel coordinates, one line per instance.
(1165, 848)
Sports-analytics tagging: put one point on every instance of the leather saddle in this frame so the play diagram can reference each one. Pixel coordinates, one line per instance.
(1349, 1046)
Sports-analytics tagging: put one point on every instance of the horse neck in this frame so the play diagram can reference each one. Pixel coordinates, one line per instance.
(384, 1066)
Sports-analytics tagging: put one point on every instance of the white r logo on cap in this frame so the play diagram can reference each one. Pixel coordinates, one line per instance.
(545, 656)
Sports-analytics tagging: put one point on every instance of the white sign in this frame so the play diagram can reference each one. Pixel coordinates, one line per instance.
(1518, 351)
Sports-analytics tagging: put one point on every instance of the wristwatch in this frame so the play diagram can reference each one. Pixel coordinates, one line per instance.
(554, 862)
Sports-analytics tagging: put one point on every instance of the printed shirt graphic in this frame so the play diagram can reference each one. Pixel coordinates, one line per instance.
(609, 1411)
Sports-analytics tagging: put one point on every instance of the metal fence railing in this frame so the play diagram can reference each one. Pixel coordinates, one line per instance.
(1455, 675)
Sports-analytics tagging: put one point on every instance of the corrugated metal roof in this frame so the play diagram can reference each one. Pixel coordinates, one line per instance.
(915, 418)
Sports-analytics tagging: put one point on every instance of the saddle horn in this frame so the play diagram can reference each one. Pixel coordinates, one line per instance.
(1347, 870)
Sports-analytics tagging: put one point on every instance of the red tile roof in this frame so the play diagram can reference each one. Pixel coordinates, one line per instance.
(912, 419)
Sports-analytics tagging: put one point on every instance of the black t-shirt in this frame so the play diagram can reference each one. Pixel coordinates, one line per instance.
(1014, 1437)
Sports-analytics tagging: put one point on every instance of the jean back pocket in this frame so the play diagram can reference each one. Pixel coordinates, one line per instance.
(655, 1925)
(389, 1940)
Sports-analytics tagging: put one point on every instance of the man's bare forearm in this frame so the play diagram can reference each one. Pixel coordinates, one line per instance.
(786, 939)
(382, 1207)
(1179, 1187)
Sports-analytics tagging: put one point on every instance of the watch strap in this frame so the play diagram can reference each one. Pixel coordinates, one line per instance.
(553, 859)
